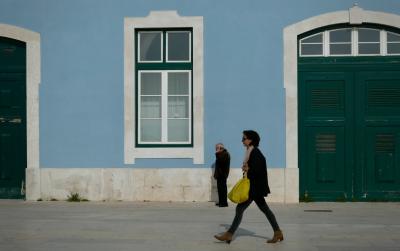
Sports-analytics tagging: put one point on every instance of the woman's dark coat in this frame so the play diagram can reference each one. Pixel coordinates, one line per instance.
(257, 174)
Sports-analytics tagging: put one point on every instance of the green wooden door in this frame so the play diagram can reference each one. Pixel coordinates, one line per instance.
(349, 132)
(325, 129)
(378, 137)
(13, 149)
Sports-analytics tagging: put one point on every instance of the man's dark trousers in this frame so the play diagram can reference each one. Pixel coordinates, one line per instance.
(222, 192)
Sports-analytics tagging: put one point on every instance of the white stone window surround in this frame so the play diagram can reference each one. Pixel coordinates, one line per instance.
(354, 15)
(32, 40)
(163, 19)
(354, 43)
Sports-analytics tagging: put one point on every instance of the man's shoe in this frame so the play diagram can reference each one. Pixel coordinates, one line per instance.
(217, 204)
(222, 205)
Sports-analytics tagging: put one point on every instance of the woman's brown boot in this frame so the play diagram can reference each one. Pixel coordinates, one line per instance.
(278, 236)
(227, 237)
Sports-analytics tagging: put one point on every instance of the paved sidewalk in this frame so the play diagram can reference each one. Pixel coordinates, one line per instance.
(156, 226)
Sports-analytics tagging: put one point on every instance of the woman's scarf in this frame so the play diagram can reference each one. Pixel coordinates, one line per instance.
(247, 155)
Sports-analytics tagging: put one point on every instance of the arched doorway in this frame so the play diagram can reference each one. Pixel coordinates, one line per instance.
(359, 173)
(12, 35)
(13, 149)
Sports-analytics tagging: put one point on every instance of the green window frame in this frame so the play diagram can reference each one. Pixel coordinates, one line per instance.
(155, 124)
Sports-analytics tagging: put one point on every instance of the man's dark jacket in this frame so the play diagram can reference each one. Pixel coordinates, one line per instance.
(222, 164)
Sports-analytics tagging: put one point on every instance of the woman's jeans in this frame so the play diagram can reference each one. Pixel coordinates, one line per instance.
(262, 205)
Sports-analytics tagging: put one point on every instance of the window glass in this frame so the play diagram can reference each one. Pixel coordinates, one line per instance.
(178, 83)
(178, 107)
(340, 36)
(164, 89)
(312, 46)
(370, 48)
(178, 46)
(150, 130)
(367, 41)
(340, 49)
(150, 107)
(150, 83)
(393, 43)
(368, 35)
(392, 37)
(178, 130)
(311, 49)
(393, 48)
(178, 99)
(313, 39)
(150, 46)
(340, 42)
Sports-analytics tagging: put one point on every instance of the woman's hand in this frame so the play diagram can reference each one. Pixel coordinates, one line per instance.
(245, 168)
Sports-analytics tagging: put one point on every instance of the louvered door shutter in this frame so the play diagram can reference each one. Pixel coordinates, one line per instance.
(323, 132)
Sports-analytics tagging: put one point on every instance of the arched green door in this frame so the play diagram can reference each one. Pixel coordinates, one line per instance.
(349, 128)
(13, 149)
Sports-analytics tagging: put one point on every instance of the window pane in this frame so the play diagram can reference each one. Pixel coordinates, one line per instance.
(368, 35)
(369, 48)
(150, 130)
(311, 49)
(340, 49)
(393, 48)
(313, 39)
(178, 46)
(178, 83)
(392, 37)
(150, 46)
(343, 35)
(178, 107)
(150, 83)
(150, 107)
(178, 130)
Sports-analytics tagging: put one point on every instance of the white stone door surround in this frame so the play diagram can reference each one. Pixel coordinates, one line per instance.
(32, 40)
(354, 15)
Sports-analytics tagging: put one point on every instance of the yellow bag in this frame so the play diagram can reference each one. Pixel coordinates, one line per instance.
(240, 192)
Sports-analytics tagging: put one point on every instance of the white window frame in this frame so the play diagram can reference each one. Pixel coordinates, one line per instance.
(164, 107)
(190, 48)
(161, 48)
(322, 43)
(386, 42)
(380, 42)
(163, 19)
(354, 44)
(328, 42)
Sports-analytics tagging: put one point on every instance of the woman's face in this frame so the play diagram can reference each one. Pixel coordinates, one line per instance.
(245, 140)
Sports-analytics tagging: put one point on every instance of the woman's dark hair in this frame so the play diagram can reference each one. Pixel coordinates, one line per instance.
(253, 136)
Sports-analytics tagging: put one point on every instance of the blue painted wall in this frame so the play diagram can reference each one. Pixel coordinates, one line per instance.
(81, 94)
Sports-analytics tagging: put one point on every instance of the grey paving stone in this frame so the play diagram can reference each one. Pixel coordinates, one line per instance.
(153, 226)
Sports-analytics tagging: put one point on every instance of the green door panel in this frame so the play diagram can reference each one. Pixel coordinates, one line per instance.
(324, 128)
(378, 119)
(13, 149)
(325, 174)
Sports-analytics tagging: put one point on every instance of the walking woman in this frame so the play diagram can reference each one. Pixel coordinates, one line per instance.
(256, 167)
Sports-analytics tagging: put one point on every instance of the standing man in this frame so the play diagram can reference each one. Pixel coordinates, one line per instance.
(221, 173)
